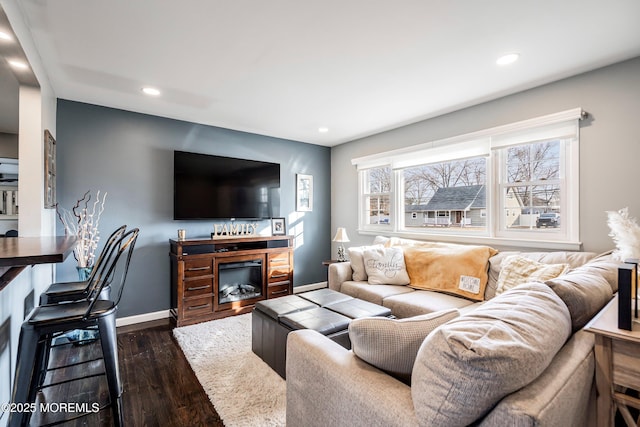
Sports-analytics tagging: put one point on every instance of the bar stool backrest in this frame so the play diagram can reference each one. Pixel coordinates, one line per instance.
(118, 261)
(100, 263)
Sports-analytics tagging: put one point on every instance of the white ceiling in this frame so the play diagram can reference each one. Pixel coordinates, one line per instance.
(285, 67)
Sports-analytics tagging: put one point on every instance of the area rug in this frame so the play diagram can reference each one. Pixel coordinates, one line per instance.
(244, 390)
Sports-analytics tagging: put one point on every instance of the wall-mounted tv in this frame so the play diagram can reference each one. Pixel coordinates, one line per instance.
(216, 187)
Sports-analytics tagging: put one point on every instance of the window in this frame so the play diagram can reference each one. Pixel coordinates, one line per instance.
(517, 182)
(530, 185)
(376, 200)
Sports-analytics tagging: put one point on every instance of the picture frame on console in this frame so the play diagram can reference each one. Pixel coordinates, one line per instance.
(278, 227)
(304, 193)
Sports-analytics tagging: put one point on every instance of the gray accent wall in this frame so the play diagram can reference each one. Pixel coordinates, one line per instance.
(609, 145)
(130, 156)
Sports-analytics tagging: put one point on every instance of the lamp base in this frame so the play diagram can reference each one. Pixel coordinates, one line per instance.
(341, 257)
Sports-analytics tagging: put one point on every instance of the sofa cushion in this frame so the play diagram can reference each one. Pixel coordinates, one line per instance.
(584, 290)
(391, 345)
(380, 240)
(356, 256)
(467, 365)
(605, 265)
(423, 302)
(372, 293)
(457, 269)
(574, 259)
(385, 266)
(517, 270)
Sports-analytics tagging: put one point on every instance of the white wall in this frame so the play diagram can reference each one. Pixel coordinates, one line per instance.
(609, 145)
(37, 113)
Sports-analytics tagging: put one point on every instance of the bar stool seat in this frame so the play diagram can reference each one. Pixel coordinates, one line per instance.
(66, 313)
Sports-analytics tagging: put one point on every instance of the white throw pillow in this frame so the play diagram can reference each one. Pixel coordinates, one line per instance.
(392, 344)
(517, 269)
(385, 266)
(356, 257)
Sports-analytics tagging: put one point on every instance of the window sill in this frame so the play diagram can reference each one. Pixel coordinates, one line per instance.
(483, 240)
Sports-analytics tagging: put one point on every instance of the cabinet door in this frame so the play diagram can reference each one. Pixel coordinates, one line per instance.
(279, 267)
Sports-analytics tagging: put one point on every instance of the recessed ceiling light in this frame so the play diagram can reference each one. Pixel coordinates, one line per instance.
(323, 129)
(5, 36)
(18, 64)
(152, 91)
(507, 59)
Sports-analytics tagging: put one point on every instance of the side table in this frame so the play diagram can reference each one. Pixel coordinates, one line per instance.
(617, 353)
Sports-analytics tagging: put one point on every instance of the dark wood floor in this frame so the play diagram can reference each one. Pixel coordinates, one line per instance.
(159, 387)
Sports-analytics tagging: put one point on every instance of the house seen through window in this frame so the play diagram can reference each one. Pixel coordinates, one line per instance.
(446, 194)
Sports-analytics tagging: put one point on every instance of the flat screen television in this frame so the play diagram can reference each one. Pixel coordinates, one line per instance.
(216, 187)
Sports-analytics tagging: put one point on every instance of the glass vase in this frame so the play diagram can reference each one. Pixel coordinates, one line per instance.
(84, 272)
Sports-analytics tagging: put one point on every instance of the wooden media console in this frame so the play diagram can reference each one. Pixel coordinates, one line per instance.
(215, 278)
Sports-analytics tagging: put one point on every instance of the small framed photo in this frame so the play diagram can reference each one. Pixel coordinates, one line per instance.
(278, 227)
(304, 193)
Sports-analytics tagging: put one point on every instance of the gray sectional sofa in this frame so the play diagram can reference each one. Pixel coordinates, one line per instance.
(520, 358)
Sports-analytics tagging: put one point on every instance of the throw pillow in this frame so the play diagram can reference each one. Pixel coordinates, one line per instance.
(517, 269)
(356, 257)
(399, 241)
(385, 266)
(585, 289)
(455, 269)
(392, 345)
(466, 366)
(380, 240)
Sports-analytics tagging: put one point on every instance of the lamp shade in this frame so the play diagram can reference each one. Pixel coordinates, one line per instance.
(341, 235)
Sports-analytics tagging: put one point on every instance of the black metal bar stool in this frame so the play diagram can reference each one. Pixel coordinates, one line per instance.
(46, 321)
(63, 292)
(73, 291)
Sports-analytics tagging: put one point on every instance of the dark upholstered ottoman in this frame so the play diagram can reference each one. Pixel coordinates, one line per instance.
(268, 336)
(324, 297)
(324, 310)
(327, 322)
(355, 308)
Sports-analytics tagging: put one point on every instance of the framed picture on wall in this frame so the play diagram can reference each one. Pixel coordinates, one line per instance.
(49, 170)
(304, 193)
(278, 227)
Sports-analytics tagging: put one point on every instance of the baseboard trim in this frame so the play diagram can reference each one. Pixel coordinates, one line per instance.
(141, 318)
(309, 287)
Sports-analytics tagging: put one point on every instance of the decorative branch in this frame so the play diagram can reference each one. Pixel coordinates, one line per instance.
(82, 221)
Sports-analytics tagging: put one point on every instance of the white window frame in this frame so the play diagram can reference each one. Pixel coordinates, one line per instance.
(362, 196)
(488, 142)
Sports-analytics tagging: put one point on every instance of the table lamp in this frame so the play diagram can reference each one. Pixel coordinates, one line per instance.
(341, 237)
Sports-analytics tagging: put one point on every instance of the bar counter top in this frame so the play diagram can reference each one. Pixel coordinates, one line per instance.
(18, 252)
(23, 251)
